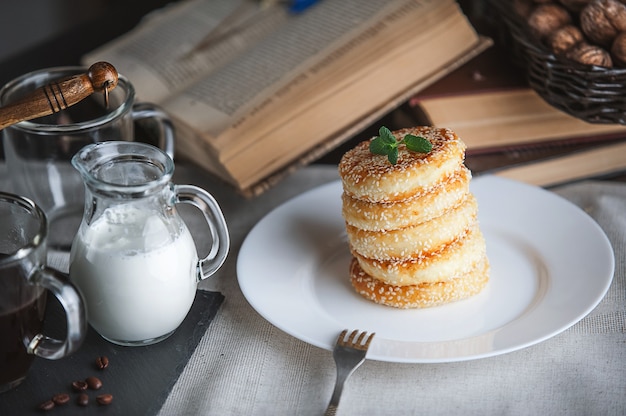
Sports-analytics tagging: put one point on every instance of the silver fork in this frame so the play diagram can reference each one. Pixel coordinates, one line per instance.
(349, 354)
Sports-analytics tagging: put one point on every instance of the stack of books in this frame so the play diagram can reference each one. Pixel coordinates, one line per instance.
(511, 131)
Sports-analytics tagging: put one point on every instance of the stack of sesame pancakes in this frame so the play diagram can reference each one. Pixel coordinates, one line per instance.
(412, 222)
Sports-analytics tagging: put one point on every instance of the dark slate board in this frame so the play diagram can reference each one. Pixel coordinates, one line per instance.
(139, 378)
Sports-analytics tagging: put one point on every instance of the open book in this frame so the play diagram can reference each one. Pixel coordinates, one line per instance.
(280, 90)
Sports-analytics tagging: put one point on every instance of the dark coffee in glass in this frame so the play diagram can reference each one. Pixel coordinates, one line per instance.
(24, 283)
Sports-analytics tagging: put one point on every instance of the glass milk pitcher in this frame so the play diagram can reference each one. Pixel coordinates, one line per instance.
(133, 257)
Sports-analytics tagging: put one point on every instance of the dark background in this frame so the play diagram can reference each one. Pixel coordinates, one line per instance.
(36, 34)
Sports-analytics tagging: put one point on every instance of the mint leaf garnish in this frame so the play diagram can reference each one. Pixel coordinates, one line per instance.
(386, 144)
(417, 144)
(392, 156)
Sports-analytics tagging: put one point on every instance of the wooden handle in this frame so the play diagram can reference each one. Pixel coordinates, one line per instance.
(59, 95)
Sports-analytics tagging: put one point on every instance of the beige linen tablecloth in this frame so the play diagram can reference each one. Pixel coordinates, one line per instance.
(246, 366)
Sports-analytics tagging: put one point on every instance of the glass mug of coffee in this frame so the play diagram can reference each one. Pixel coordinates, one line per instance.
(24, 282)
(133, 258)
(38, 152)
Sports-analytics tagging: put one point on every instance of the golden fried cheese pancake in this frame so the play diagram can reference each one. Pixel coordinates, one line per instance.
(416, 240)
(412, 226)
(371, 177)
(447, 193)
(442, 265)
(422, 295)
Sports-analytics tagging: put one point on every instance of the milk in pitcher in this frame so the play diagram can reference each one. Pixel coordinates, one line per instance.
(137, 274)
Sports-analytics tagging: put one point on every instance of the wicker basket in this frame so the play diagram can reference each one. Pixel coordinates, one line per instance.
(591, 93)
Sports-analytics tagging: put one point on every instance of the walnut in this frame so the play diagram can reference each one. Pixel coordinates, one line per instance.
(618, 50)
(574, 6)
(563, 39)
(588, 54)
(602, 20)
(546, 18)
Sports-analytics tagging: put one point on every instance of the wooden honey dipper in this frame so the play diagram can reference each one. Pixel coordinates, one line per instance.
(61, 94)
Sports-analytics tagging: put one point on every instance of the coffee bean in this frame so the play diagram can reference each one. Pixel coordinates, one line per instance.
(61, 398)
(79, 385)
(47, 405)
(94, 383)
(104, 399)
(102, 362)
(82, 399)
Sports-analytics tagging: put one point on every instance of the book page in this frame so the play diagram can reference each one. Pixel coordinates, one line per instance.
(213, 89)
(252, 82)
(349, 62)
(159, 55)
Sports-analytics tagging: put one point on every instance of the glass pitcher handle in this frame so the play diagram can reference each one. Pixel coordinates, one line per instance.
(166, 127)
(220, 240)
(75, 313)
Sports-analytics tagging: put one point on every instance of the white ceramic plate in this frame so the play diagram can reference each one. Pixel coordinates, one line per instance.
(551, 264)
